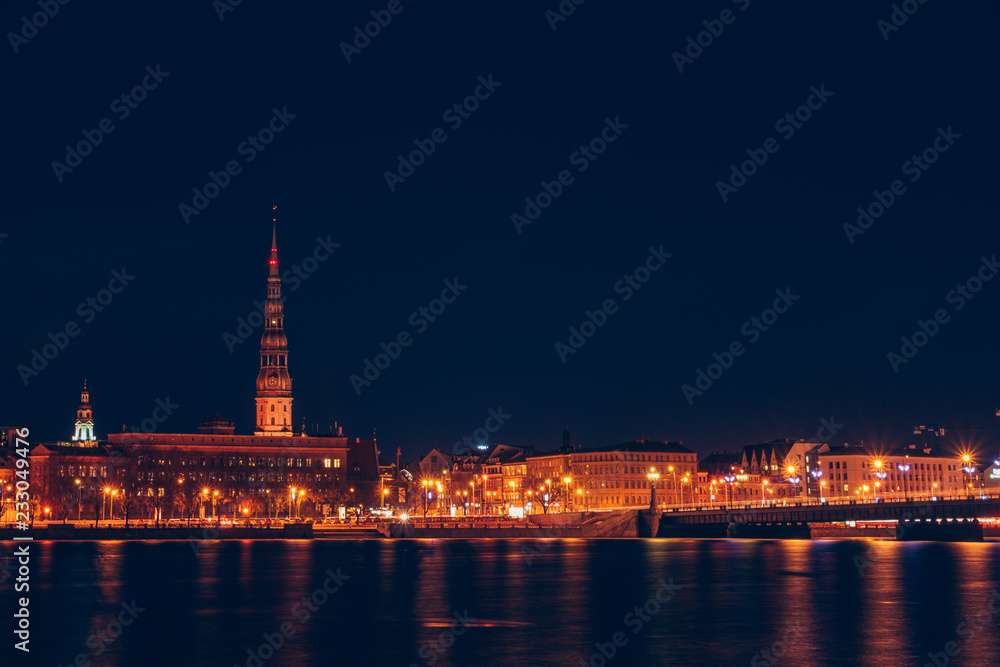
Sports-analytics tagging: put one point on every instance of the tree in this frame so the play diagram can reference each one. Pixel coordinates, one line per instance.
(131, 486)
(546, 494)
(188, 498)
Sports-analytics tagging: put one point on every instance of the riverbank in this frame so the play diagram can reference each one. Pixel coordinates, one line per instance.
(295, 531)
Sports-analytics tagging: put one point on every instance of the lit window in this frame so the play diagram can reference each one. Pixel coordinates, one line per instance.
(326, 463)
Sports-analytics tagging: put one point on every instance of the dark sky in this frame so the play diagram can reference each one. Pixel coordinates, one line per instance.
(655, 185)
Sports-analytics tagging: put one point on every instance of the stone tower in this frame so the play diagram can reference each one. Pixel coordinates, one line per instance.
(274, 385)
(84, 432)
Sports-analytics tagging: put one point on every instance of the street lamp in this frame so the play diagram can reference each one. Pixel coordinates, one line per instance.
(653, 476)
(729, 487)
(686, 479)
(881, 477)
(444, 475)
(905, 468)
(969, 469)
(79, 500)
(816, 474)
(567, 480)
(673, 474)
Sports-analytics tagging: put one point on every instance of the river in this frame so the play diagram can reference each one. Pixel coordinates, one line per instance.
(510, 602)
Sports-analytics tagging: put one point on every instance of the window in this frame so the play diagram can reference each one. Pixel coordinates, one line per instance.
(326, 463)
(272, 418)
(336, 463)
(286, 408)
(272, 410)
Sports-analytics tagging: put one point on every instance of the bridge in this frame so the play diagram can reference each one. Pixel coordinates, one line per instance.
(917, 518)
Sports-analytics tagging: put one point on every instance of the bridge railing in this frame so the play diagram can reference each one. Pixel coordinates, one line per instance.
(809, 503)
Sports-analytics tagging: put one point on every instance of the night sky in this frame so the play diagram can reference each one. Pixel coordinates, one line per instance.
(607, 67)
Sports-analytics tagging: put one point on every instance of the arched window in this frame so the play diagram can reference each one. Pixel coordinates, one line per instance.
(272, 421)
(272, 410)
(286, 408)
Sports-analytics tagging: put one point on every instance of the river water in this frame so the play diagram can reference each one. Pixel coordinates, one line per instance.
(509, 602)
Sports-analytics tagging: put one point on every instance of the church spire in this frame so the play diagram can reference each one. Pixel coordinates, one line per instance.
(273, 262)
(274, 385)
(83, 433)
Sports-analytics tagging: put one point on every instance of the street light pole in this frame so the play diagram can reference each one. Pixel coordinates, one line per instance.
(653, 476)
(905, 467)
(968, 468)
(816, 474)
(729, 485)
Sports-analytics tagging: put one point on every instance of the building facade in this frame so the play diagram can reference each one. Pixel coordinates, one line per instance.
(854, 472)
(274, 472)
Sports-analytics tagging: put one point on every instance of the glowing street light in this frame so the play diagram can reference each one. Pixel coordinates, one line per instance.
(729, 479)
(653, 476)
(816, 474)
(904, 468)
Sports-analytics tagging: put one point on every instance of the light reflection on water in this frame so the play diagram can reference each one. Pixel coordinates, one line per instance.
(516, 602)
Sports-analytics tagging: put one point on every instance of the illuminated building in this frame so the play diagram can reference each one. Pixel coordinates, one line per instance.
(83, 434)
(855, 472)
(164, 474)
(617, 476)
(274, 385)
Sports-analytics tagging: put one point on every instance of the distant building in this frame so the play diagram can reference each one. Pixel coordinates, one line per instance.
(215, 472)
(618, 476)
(785, 465)
(857, 472)
(83, 433)
(720, 463)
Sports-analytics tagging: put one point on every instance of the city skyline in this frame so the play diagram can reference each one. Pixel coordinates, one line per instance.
(976, 437)
(392, 332)
(738, 179)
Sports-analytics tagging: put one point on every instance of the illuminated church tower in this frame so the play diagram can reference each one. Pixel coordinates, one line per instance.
(84, 432)
(274, 385)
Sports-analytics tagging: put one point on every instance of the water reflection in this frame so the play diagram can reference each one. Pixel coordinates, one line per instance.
(535, 602)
